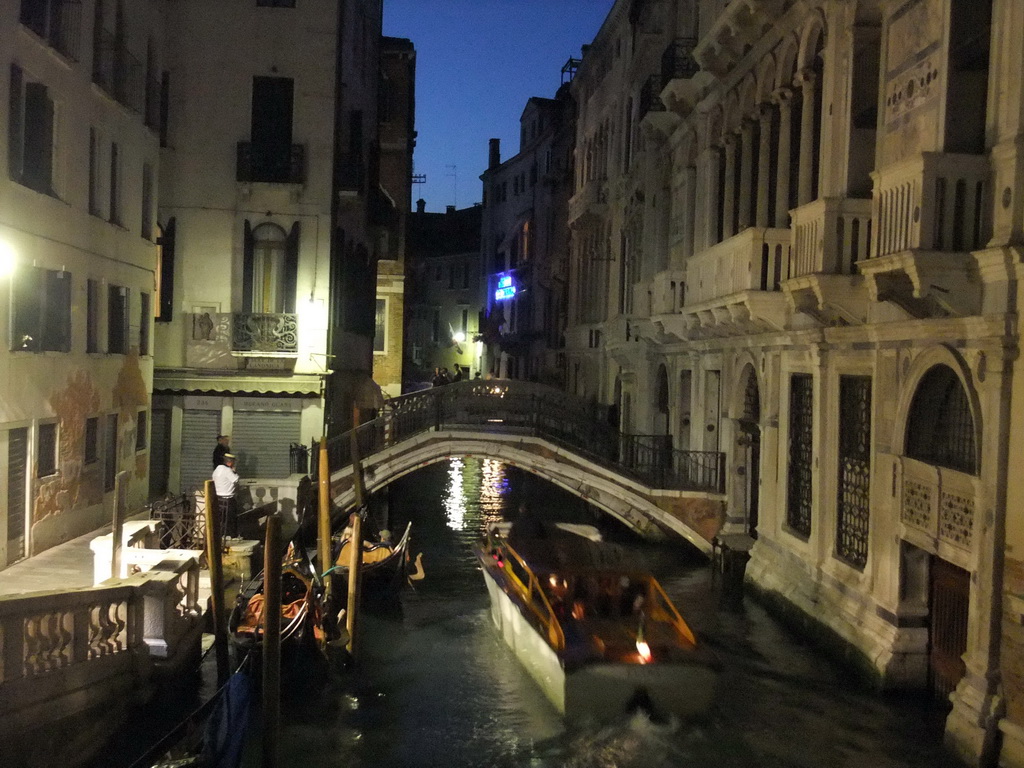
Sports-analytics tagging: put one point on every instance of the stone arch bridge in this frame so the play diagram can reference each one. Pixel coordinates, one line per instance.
(639, 479)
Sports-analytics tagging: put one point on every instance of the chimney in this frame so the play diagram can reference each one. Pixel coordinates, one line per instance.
(449, 209)
(494, 159)
(421, 205)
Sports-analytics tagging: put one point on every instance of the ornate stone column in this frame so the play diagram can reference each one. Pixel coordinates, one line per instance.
(784, 98)
(805, 191)
(746, 192)
(729, 191)
(764, 166)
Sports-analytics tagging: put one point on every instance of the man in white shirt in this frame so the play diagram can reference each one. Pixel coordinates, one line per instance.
(225, 483)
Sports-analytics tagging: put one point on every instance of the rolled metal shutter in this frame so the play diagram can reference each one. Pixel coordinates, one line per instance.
(198, 437)
(261, 440)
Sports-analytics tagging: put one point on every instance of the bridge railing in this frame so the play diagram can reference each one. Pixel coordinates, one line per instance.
(515, 407)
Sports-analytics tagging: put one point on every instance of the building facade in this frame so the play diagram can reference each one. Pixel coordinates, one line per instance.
(796, 231)
(444, 295)
(81, 130)
(272, 218)
(524, 243)
(397, 141)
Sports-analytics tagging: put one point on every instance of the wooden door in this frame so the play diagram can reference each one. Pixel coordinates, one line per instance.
(947, 637)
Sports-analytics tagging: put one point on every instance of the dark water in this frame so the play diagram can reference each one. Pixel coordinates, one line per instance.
(436, 686)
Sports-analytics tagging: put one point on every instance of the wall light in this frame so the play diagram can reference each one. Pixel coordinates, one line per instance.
(459, 337)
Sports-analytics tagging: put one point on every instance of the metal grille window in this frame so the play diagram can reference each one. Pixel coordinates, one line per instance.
(801, 453)
(46, 456)
(853, 510)
(940, 429)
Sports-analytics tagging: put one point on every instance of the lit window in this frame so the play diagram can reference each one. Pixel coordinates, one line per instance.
(41, 310)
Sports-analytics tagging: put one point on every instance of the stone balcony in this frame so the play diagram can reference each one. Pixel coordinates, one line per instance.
(732, 288)
(929, 213)
(830, 237)
(590, 200)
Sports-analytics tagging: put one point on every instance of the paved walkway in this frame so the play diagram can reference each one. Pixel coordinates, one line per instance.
(66, 566)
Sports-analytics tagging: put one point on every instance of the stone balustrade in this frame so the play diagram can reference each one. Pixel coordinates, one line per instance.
(591, 198)
(756, 259)
(938, 509)
(830, 236)
(71, 659)
(933, 202)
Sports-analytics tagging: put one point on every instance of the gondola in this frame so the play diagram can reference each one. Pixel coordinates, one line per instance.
(384, 568)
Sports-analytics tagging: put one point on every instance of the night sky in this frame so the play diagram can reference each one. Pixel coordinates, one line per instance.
(477, 63)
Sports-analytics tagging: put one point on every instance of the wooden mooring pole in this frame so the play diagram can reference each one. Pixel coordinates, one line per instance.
(324, 521)
(213, 559)
(272, 641)
(356, 561)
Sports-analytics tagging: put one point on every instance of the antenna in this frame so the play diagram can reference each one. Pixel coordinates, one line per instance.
(455, 184)
(418, 178)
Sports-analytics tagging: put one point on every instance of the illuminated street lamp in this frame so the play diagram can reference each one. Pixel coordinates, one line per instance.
(6, 259)
(459, 337)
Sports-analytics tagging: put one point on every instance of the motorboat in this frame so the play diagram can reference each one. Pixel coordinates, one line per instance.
(601, 638)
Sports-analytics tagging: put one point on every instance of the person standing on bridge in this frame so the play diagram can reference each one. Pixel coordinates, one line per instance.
(225, 483)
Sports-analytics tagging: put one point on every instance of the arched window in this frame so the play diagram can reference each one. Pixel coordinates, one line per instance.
(271, 262)
(940, 429)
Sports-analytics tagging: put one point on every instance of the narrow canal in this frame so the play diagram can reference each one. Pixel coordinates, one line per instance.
(436, 686)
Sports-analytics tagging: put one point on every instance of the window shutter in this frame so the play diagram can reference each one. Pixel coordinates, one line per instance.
(15, 126)
(37, 159)
(249, 247)
(167, 271)
(27, 310)
(57, 317)
(291, 267)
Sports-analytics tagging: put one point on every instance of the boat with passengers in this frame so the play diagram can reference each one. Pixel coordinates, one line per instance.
(599, 636)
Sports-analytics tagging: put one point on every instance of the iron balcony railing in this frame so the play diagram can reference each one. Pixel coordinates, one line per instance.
(650, 96)
(533, 409)
(270, 164)
(677, 61)
(270, 333)
(118, 72)
(58, 22)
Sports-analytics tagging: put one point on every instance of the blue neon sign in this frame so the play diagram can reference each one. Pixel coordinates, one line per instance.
(506, 289)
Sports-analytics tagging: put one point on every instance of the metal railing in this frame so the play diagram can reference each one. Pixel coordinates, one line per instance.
(118, 72)
(265, 332)
(181, 524)
(524, 408)
(270, 164)
(58, 22)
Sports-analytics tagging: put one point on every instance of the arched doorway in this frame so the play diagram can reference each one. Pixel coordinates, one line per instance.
(941, 433)
(748, 444)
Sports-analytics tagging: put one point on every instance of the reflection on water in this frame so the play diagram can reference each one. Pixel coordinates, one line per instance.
(436, 686)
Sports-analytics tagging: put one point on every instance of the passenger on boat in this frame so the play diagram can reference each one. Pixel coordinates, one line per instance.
(526, 526)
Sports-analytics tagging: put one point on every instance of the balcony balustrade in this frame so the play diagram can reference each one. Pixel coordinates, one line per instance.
(937, 509)
(754, 260)
(830, 236)
(274, 334)
(590, 199)
(270, 164)
(931, 202)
